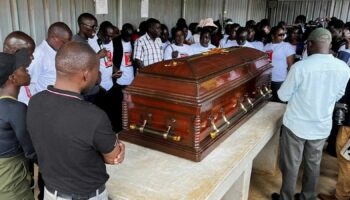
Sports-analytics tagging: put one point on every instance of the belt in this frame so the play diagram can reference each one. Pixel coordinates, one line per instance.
(77, 196)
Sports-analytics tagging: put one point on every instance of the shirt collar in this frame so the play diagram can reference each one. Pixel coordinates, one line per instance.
(65, 93)
(321, 55)
(147, 36)
(49, 48)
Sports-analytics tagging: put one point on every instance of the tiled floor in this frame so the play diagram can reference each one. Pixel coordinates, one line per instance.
(263, 185)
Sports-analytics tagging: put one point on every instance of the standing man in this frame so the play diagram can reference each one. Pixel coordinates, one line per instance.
(87, 27)
(87, 30)
(308, 118)
(122, 62)
(76, 140)
(103, 40)
(42, 70)
(336, 28)
(13, 42)
(342, 190)
(148, 48)
(17, 40)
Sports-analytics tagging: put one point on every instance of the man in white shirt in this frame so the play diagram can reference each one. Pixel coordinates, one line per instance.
(42, 70)
(312, 87)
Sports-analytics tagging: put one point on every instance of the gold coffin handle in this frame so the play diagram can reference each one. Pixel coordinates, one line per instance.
(216, 131)
(165, 135)
(244, 109)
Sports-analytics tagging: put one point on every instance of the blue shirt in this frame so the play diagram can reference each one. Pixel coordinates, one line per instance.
(312, 87)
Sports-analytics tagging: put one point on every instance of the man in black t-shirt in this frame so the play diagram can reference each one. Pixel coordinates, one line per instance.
(73, 138)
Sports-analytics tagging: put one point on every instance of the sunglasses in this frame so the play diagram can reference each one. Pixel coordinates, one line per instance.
(94, 27)
(281, 34)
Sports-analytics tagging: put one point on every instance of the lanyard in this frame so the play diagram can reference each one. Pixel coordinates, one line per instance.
(29, 95)
(8, 97)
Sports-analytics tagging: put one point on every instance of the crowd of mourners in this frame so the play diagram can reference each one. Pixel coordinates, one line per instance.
(61, 100)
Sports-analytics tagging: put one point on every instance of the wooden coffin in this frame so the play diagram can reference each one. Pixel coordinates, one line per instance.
(187, 106)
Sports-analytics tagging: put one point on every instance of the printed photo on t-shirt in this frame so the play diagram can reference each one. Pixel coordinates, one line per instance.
(127, 59)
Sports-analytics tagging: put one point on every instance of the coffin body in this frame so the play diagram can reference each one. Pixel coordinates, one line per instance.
(187, 106)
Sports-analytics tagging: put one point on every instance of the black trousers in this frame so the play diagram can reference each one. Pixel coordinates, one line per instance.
(41, 186)
(115, 99)
(275, 86)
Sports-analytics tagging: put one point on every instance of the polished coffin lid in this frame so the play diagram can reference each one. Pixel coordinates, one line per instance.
(172, 105)
(196, 79)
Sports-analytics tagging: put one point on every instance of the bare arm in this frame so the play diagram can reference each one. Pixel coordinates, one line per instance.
(290, 61)
(116, 156)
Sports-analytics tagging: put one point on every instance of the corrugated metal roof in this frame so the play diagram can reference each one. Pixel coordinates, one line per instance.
(287, 10)
(35, 16)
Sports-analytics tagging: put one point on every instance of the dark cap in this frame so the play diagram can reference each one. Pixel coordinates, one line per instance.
(320, 35)
(9, 63)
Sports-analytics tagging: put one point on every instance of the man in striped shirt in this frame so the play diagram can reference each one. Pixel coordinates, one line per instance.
(148, 48)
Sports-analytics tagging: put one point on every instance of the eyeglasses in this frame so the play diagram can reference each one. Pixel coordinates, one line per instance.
(94, 27)
(281, 34)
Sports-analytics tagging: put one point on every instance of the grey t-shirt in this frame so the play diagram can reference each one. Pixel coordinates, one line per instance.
(78, 38)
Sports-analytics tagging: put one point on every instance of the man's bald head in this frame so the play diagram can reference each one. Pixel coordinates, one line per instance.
(18, 40)
(77, 66)
(58, 35)
(59, 29)
(74, 57)
(86, 16)
(319, 41)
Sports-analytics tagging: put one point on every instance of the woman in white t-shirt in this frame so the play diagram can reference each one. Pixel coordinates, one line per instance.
(204, 43)
(241, 38)
(252, 39)
(164, 36)
(230, 40)
(178, 49)
(282, 54)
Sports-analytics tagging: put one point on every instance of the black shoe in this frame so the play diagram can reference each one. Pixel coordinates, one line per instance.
(297, 196)
(275, 196)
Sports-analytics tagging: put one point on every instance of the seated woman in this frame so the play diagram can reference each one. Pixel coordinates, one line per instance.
(15, 143)
(178, 49)
(204, 43)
